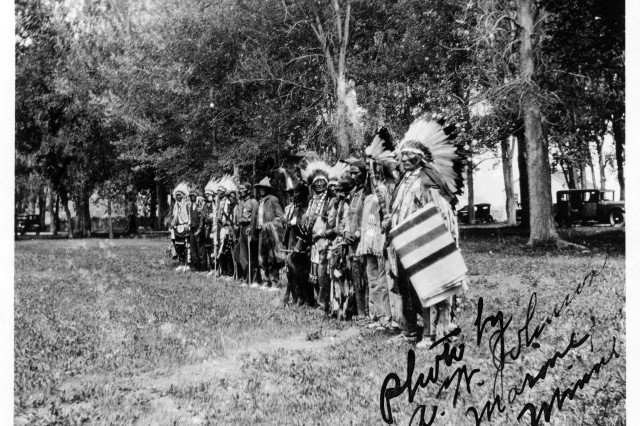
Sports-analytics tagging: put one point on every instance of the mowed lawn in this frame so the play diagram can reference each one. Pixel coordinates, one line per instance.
(107, 333)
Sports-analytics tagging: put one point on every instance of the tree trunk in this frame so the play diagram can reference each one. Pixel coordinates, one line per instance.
(594, 181)
(109, 219)
(470, 195)
(601, 162)
(153, 206)
(507, 172)
(163, 207)
(342, 131)
(57, 212)
(542, 227)
(236, 174)
(132, 199)
(574, 182)
(53, 225)
(335, 57)
(583, 175)
(524, 178)
(86, 214)
(42, 205)
(618, 136)
(65, 203)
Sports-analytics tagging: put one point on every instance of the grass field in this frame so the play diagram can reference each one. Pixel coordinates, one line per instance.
(107, 333)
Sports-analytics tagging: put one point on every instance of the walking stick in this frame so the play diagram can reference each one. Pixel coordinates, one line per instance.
(249, 278)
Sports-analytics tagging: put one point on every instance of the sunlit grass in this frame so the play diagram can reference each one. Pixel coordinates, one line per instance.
(106, 332)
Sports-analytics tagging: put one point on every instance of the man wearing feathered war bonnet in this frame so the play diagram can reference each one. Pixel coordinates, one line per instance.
(315, 222)
(433, 169)
(208, 223)
(180, 225)
(270, 225)
(196, 230)
(226, 222)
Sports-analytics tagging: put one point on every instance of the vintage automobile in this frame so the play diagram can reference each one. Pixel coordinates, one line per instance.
(588, 207)
(483, 213)
(27, 223)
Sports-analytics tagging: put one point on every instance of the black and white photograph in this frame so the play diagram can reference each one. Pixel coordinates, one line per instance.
(319, 212)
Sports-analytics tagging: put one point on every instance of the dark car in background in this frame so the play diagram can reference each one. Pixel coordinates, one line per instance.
(27, 223)
(589, 207)
(482, 210)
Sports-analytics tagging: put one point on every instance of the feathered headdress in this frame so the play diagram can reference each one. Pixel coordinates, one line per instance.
(227, 184)
(212, 187)
(382, 148)
(434, 142)
(288, 180)
(315, 170)
(183, 188)
(337, 171)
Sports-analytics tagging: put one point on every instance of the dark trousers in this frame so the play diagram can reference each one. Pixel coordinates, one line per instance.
(226, 263)
(181, 245)
(248, 267)
(411, 305)
(324, 287)
(196, 244)
(359, 277)
(208, 250)
(298, 286)
(270, 270)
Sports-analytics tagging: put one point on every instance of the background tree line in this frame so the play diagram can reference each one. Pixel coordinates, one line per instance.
(120, 97)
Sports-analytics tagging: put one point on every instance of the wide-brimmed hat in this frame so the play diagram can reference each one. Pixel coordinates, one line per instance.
(264, 183)
(194, 191)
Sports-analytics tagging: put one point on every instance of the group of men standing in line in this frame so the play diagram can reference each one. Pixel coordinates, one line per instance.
(334, 237)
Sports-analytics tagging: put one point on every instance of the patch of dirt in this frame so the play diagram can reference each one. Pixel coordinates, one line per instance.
(228, 367)
(162, 407)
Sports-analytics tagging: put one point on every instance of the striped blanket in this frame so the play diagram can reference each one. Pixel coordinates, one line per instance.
(429, 255)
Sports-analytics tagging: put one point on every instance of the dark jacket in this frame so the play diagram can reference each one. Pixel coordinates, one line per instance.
(272, 212)
(195, 217)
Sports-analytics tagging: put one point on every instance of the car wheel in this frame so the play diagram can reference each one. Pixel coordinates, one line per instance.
(616, 218)
(489, 219)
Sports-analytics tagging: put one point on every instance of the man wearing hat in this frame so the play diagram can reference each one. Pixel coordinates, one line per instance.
(248, 237)
(208, 222)
(196, 231)
(270, 226)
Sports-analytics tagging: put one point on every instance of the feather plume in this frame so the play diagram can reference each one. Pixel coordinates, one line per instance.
(182, 187)
(287, 178)
(381, 149)
(435, 142)
(314, 169)
(212, 186)
(226, 182)
(338, 170)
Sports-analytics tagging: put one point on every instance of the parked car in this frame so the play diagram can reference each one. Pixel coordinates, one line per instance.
(27, 223)
(482, 210)
(588, 207)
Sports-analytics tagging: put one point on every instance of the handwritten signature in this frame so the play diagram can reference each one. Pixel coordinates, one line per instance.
(462, 377)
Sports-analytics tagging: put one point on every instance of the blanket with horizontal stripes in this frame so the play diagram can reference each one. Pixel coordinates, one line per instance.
(429, 255)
